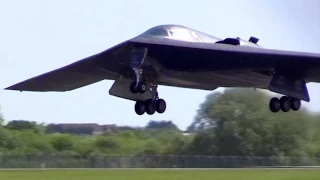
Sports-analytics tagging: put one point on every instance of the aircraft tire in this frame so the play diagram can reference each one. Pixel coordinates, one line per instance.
(275, 105)
(285, 103)
(150, 106)
(140, 108)
(161, 106)
(295, 104)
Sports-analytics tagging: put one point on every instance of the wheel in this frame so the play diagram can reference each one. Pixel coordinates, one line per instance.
(285, 104)
(140, 108)
(141, 87)
(295, 104)
(150, 106)
(161, 106)
(274, 105)
(133, 88)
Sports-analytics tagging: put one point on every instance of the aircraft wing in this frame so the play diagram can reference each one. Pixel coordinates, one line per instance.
(78, 74)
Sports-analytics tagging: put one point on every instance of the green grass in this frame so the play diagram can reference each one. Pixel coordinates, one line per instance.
(215, 174)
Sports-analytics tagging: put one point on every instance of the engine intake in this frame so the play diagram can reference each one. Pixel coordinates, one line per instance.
(230, 41)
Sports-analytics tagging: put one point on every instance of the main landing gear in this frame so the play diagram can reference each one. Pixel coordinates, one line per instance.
(153, 104)
(294, 90)
(150, 106)
(284, 104)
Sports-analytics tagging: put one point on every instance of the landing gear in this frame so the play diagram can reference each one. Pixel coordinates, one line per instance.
(152, 105)
(284, 104)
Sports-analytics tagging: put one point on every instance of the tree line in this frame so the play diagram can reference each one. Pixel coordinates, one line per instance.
(236, 122)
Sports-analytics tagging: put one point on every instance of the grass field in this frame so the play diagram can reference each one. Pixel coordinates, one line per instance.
(214, 174)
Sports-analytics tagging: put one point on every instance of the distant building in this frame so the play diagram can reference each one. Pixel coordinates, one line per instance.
(82, 128)
(102, 129)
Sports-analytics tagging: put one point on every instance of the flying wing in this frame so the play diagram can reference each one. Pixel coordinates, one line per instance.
(182, 57)
(195, 57)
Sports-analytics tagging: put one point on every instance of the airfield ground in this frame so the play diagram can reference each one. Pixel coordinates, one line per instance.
(162, 174)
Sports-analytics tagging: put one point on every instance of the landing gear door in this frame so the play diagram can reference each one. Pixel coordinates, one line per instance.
(121, 88)
(290, 87)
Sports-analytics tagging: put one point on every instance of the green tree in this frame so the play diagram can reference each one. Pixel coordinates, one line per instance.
(1, 119)
(161, 125)
(204, 143)
(151, 147)
(242, 124)
(202, 120)
(313, 144)
(62, 142)
(107, 145)
(8, 141)
(85, 146)
(177, 145)
(23, 125)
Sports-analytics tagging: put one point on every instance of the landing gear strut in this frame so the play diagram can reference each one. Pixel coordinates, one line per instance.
(284, 104)
(137, 59)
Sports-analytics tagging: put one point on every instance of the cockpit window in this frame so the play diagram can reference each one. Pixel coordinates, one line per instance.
(184, 34)
(157, 32)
